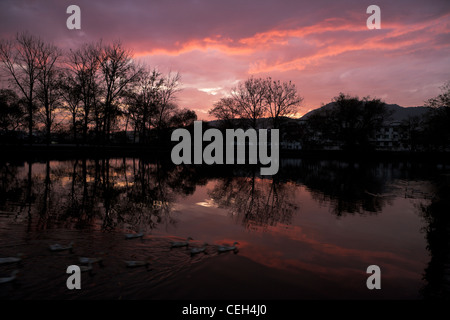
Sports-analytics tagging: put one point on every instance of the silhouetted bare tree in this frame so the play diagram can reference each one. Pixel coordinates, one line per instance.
(118, 72)
(82, 73)
(143, 100)
(166, 105)
(249, 97)
(256, 98)
(225, 110)
(71, 96)
(19, 59)
(183, 118)
(441, 100)
(282, 100)
(12, 111)
(48, 92)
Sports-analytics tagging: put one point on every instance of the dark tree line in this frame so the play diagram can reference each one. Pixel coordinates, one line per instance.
(436, 126)
(98, 93)
(347, 123)
(353, 124)
(92, 91)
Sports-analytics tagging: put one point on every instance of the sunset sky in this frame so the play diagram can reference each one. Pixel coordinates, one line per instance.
(324, 47)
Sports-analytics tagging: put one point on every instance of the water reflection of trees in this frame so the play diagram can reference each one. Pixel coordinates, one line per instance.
(132, 194)
(437, 233)
(349, 187)
(138, 194)
(13, 190)
(352, 187)
(254, 201)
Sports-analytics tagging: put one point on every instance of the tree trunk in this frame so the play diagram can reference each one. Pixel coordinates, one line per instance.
(30, 122)
(74, 125)
(85, 126)
(48, 125)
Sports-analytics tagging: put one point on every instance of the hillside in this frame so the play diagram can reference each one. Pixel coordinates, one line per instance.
(398, 113)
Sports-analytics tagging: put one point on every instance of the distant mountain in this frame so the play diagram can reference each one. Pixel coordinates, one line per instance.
(398, 113)
(403, 113)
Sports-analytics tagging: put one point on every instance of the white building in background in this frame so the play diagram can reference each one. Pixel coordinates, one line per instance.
(291, 145)
(391, 137)
(388, 137)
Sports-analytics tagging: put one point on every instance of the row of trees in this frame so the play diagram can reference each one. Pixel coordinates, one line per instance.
(94, 89)
(348, 122)
(353, 124)
(351, 120)
(98, 89)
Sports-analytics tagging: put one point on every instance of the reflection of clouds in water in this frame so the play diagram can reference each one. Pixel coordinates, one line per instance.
(204, 208)
(209, 203)
(178, 207)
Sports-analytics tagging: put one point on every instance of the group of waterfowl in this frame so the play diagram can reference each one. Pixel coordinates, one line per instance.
(195, 250)
(87, 263)
(134, 235)
(57, 247)
(11, 260)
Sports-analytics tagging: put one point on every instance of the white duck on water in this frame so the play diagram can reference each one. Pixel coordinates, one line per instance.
(87, 268)
(86, 260)
(9, 260)
(137, 263)
(228, 248)
(178, 244)
(134, 235)
(58, 247)
(12, 277)
(199, 249)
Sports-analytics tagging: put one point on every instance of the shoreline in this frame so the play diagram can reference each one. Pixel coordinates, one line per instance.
(64, 150)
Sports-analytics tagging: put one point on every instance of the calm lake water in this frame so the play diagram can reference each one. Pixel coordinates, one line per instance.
(308, 233)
